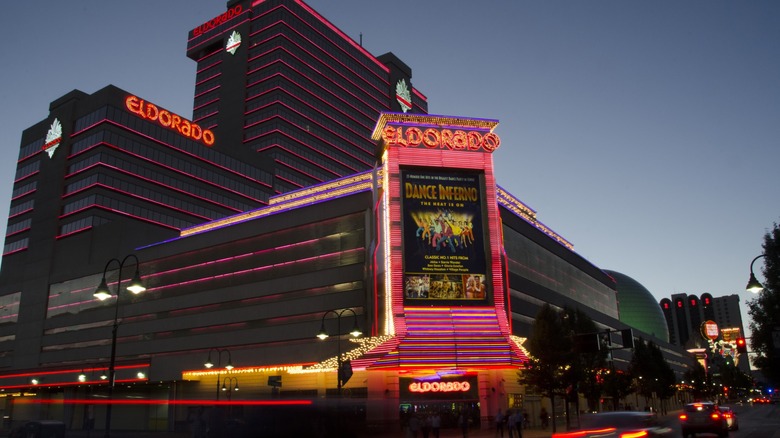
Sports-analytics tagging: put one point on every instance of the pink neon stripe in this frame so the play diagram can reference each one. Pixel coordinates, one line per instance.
(260, 81)
(332, 145)
(20, 213)
(141, 198)
(120, 170)
(324, 128)
(79, 231)
(160, 142)
(332, 119)
(319, 166)
(15, 251)
(308, 93)
(306, 145)
(303, 37)
(122, 213)
(342, 35)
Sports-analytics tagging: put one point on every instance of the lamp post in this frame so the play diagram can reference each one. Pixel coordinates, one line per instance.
(102, 293)
(210, 364)
(754, 285)
(229, 384)
(341, 377)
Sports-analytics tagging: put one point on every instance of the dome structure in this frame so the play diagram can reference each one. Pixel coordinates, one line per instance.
(638, 308)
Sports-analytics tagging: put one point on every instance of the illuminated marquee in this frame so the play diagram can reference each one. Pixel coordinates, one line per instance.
(439, 386)
(149, 111)
(216, 21)
(435, 138)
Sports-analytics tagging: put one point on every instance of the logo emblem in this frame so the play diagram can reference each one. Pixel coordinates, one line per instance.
(233, 42)
(53, 137)
(403, 95)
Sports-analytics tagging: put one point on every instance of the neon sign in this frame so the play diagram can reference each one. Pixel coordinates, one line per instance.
(439, 386)
(434, 138)
(53, 137)
(149, 111)
(216, 21)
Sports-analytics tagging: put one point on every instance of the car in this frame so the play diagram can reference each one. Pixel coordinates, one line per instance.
(618, 424)
(703, 417)
(731, 417)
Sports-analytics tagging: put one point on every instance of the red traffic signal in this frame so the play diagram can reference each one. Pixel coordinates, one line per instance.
(741, 345)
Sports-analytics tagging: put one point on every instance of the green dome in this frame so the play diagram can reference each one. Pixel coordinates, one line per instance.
(638, 308)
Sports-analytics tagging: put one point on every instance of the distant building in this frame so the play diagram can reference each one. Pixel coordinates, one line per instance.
(685, 315)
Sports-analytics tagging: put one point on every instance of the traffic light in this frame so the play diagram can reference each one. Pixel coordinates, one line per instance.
(741, 345)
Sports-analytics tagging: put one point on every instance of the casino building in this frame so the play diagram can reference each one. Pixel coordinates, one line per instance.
(309, 193)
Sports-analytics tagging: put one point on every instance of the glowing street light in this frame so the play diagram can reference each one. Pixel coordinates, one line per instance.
(754, 285)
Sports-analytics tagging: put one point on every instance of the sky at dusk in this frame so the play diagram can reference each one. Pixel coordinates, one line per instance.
(645, 133)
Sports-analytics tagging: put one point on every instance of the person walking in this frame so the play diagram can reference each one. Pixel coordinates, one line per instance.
(510, 423)
(435, 424)
(545, 418)
(518, 417)
(463, 422)
(499, 424)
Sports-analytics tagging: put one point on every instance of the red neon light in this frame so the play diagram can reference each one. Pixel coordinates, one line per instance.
(216, 21)
(439, 386)
(149, 111)
(433, 138)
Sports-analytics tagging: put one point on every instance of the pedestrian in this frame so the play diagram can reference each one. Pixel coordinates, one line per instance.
(518, 423)
(510, 423)
(426, 425)
(499, 423)
(414, 425)
(545, 418)
(463, 422)
(435, 424)
(526, 420)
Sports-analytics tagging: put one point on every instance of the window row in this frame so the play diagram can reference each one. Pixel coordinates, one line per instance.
(24, 189)
(16, 246)
(177, 141)
(18, 226)
(353, 160)
(298, 163)
(30, 149)
(311, 154)
(326, 40)
(320, 120)
(21, 207)
(200, 170)
(27, 170)
(306, 79)
(273, 42)
(168, 180)
(81, 224)
(146, 193)
(128, 209)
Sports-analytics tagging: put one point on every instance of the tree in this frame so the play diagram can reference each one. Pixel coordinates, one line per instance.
(550, 345)
(698, 381)
(764, 311)
(555, 368)
(654, 375)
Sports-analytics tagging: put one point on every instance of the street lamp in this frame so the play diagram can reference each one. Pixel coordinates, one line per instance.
(210, 364)
(754, 285)
(229, 384)
(342, 374)
(102, 293)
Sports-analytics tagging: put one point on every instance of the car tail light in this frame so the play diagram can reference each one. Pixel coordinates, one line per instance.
(726, 415)
(640, 434)
(715, 416)
(582, 433)
(683, 417)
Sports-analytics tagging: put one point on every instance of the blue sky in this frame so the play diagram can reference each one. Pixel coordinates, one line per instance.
(645, 133)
